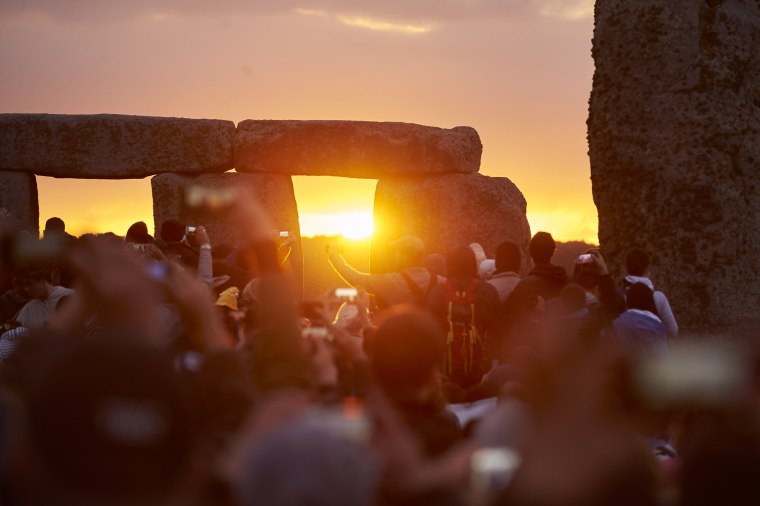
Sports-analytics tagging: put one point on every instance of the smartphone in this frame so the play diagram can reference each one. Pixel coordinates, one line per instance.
(492, 469)
(348, 294)
(586, 258)
(189, 230)
(157, 270)
(284, 234)
(693, 376)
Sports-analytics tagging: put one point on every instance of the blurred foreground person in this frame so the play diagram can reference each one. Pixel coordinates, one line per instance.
(110, 424)
(45, 298)
(406, 355)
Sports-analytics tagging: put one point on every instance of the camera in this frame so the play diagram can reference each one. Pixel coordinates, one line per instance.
(346, 294)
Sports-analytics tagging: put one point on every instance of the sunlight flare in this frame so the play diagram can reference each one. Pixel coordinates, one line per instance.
(351, 225)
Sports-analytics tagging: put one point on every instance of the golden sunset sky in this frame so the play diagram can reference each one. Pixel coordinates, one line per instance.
(519, 71)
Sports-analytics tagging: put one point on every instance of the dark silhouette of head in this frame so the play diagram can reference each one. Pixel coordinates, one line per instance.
(406, 351)
(573, 298)
(54, 226)
(507, 257)
(172, 231)
(637, 262)
(542, 247)
(435, 263)
(640, 296)
(409, 251)
(138, 233)
(461, 263)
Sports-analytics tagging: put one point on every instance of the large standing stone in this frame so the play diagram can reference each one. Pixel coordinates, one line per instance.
(447, 211)
(18, 196)
(274, 192)
(112, 146)
(674, 142)
(361, 149)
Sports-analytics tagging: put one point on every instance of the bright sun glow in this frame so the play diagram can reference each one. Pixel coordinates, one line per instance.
(352, 225)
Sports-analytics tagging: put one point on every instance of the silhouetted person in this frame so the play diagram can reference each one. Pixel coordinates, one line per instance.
(639, 328)
(548, 279)
(138, 233)
(410, 283)
(466, 308)
(637, 265)
(506, 277)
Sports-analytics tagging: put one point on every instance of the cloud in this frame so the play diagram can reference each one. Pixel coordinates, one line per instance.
(566, 9)
(404, 16)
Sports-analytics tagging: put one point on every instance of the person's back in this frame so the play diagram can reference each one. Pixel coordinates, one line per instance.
(547, 278)
(467, 309)
(639, 328)
(506, 277)
(637, 265)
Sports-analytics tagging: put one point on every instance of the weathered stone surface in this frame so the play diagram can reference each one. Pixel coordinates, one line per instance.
(274, 192)
(112, 146)
(18, 196)
(447, 211)
(361, 149)
(674, 142)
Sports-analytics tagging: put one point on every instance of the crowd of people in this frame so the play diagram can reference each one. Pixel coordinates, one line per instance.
(174, 371)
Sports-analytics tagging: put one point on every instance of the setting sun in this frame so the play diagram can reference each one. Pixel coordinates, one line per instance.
(351, 225)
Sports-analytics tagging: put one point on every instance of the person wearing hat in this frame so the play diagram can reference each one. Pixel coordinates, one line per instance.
(410, 283)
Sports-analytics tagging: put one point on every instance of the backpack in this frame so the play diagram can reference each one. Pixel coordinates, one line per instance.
(465, 342)
(420, 297)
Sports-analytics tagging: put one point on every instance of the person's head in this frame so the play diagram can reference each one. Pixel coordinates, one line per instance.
(406, 351)
(435, 263)
(408, 251)
(640, 296)
(35, 283)
(54, 226)
(172, 231)
(573, 298)
(524, 301)
(461, 263)
(306, 461)
(542, 247)
(508, 257)
(586, 272)
(637, 262)
(138, 233)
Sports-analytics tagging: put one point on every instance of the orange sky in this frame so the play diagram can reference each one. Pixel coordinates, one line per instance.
(519, 71)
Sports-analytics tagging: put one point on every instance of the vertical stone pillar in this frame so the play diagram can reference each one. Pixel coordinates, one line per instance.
(674, 143)
(18, 196)
(447, 211)
(274, 192)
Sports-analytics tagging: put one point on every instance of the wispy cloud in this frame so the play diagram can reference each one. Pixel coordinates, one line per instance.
(383, 26)
(404, 16)
(567, 9)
